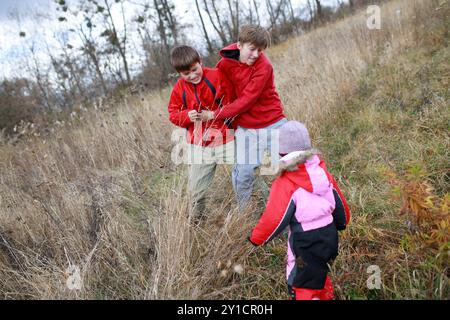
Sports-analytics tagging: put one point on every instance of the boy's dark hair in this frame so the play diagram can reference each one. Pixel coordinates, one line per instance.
(256, 35)
(183, 57)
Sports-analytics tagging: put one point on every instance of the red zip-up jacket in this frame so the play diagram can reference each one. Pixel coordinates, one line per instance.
(210, 94)
(258, 104)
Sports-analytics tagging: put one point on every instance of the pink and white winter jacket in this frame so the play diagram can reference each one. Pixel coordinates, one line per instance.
(305, 199)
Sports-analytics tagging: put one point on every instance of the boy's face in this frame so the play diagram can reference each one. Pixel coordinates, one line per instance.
(194, 74)
(248, 53)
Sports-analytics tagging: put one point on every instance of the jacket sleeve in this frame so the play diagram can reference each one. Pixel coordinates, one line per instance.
(178, 113)
(250, 94)
(341, 213)
(226, 89)
(276, 217)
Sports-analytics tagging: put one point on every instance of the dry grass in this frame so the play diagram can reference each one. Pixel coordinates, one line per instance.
(315, 71)
(102, 193)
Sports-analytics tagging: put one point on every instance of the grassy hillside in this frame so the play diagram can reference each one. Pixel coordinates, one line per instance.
(390, 144)
(103, 194)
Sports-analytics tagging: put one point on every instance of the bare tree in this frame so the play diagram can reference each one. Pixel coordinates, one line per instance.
(292, 15)
(116, 40)
(172, 23)
(99, 14)
(210, 47)
(311, 11)
(274, 11)
(250, 13)
(76, 71)
(40, 77)
(319, 9)
(257, 12)
(159, 31)
(234, 17)
(90, 49)
(161, 27)
(217, 24)
(84, 31)
(33, 64)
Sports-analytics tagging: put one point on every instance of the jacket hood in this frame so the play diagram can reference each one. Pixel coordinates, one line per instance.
(300, 166)
(231, 51)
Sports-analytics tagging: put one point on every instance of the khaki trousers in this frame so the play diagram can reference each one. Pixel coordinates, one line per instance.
(202, 163)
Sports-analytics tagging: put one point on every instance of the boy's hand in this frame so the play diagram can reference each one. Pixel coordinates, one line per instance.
(194, 115)
(206, 115)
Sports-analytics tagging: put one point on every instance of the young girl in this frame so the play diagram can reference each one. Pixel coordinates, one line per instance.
(306, 197)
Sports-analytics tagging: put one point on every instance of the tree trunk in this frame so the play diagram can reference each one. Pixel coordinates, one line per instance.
(257, 12)
(163, 36)
(273, 13)
(219, 29)
(38, 76)
(319, 9)
(216, 13)
(210, 47)
(236, 30)
(311, 12)
(92, 54)
(172, 24)
(250, 13)
(292, 16)
(121, 47)
(232, 29)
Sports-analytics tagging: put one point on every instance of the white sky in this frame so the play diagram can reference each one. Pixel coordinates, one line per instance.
(12, 46)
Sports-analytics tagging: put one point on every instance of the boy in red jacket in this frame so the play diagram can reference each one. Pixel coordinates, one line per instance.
(196, 95)
(257, 111)
(305, 198)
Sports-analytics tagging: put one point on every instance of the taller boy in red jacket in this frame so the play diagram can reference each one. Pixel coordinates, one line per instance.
(196, 95)
(256, 111)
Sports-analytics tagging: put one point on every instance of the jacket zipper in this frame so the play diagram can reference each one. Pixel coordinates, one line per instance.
(196, 97)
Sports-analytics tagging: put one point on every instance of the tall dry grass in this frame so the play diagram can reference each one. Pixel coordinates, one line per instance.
(102, 194)
(315, 71)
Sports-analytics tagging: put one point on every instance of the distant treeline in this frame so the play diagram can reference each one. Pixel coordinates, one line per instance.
(100, 65)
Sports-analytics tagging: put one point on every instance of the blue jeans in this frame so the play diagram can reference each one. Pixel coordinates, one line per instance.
(251, 144)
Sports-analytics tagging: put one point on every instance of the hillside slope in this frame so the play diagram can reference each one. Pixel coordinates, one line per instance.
(102, 203)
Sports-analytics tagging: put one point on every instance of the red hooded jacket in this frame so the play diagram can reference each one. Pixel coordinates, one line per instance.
(281, 205)
(210, 94)
(258, 104)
